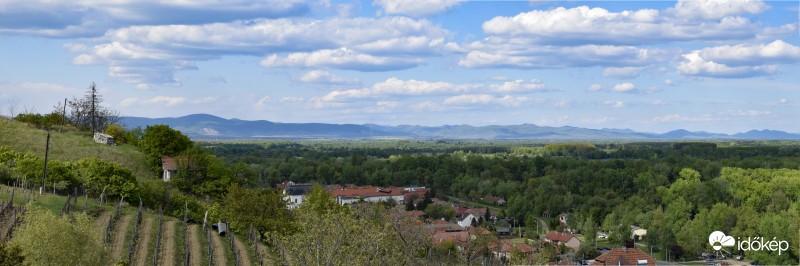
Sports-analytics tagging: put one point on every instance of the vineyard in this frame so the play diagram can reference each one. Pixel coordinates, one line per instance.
(135, 235)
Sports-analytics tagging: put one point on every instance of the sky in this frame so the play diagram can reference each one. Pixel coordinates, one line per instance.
(722, 66)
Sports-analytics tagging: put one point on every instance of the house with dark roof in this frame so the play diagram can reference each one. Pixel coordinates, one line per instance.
(295, 193)
(557, 238)
(624, 256)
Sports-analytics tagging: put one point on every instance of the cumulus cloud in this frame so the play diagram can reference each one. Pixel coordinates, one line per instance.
(673, 118)
(164, 100)
(415, 7)
(625, 87)
(739, 61)
(152, 54)
(518, 86)
(395, 86)
(485, 99)
(669, 82)
(582, 25)
(89, 18)
(517, 53)
(324, 77)
(716, 9)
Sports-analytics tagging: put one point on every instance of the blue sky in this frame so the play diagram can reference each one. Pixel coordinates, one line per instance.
(718, 65)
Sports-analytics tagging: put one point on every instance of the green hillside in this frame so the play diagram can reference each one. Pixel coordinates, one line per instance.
(71, 145)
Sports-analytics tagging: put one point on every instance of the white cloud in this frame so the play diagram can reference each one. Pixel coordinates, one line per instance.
(152, 54)
(324, 77)
(517, 53)
(164, 100)
(614, 104)
(292, 99)
(519, 86)
(395, 86)
(485, 99)
(740, 61)
(425, 106)
(622, 72)
(342, 58)
(669, 82)
(582, 25)
(657, 103)
(205, 100)
(596, 87)
(783, 101)
(415, 7)
(717, 9)
(625, 87)
(750, 113)
(129, 101)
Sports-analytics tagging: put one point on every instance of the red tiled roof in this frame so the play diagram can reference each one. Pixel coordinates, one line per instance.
(169, 163)
(559, 236)
(623, 256)
(364, 192)
(415, 213)
(524, 248)
(458, 237)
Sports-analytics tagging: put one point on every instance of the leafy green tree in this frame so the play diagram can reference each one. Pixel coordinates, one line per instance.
(47, 239)
(440, 211)
(118, 133)
(590, 230)
(244, 207)
(100, 175)
(160, 140)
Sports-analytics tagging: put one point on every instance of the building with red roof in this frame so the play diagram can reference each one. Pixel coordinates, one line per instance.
(624, 256)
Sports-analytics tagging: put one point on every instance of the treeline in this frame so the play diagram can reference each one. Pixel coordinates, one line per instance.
(636, 184)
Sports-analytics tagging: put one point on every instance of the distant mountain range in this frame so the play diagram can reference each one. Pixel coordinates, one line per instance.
(204, 126)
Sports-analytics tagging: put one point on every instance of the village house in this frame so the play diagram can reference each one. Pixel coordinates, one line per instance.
(350, 195)
(169, 166)
(295, 193)
(504, 249)
(443, 226)
(624, 256)
(558, 238)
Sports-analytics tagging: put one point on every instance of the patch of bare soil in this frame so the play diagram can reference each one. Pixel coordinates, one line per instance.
(167, 253)
(120, 231)
(143, 243)
(194, 245)
(241, 248)
(219, 250)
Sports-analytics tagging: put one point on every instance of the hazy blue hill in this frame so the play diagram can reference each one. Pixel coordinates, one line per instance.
(204, 126)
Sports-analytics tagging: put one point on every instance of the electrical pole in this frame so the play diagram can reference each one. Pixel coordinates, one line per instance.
(46, 153)
(63, 116)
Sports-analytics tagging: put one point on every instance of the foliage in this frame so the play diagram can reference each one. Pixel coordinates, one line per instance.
(47, 121)
(440, 211)
(118, 132)
(369, 235)
(10, 255)
(201, 173)
(244, 207)
(110, 177)
(87, 113)
(160, 140)
(47, 239)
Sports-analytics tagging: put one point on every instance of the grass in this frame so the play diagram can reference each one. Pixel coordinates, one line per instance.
(71, 145)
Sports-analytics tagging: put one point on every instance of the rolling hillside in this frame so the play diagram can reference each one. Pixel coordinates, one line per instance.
(70, 145)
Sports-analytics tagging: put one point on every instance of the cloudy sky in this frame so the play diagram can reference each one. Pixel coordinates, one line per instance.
(717, 65)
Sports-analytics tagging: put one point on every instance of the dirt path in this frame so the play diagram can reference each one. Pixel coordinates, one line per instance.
(167, 253)
(244, 255)
(194, 245)
(102, 223)
(143, 243)
(219, 250)
(120, 231)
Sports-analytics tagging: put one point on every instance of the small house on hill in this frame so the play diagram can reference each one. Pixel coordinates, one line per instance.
(169, 166)
(295, 193)
(103, 138)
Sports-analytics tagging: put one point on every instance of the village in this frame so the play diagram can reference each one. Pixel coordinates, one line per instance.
(474, 232)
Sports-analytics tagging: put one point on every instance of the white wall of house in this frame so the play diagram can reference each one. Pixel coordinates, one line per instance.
(467, 222)
(399, 199)
(167, 175)
(294, 200)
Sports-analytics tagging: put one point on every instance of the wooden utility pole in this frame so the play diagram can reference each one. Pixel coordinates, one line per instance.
(63, 116)
(46, 153)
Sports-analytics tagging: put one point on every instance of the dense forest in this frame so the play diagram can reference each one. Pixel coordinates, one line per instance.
(678, 191)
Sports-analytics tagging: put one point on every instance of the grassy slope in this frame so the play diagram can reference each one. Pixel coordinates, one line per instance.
(70, 146)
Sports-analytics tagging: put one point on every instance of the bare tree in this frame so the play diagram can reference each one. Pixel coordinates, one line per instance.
(12, 107)
(87, 114)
